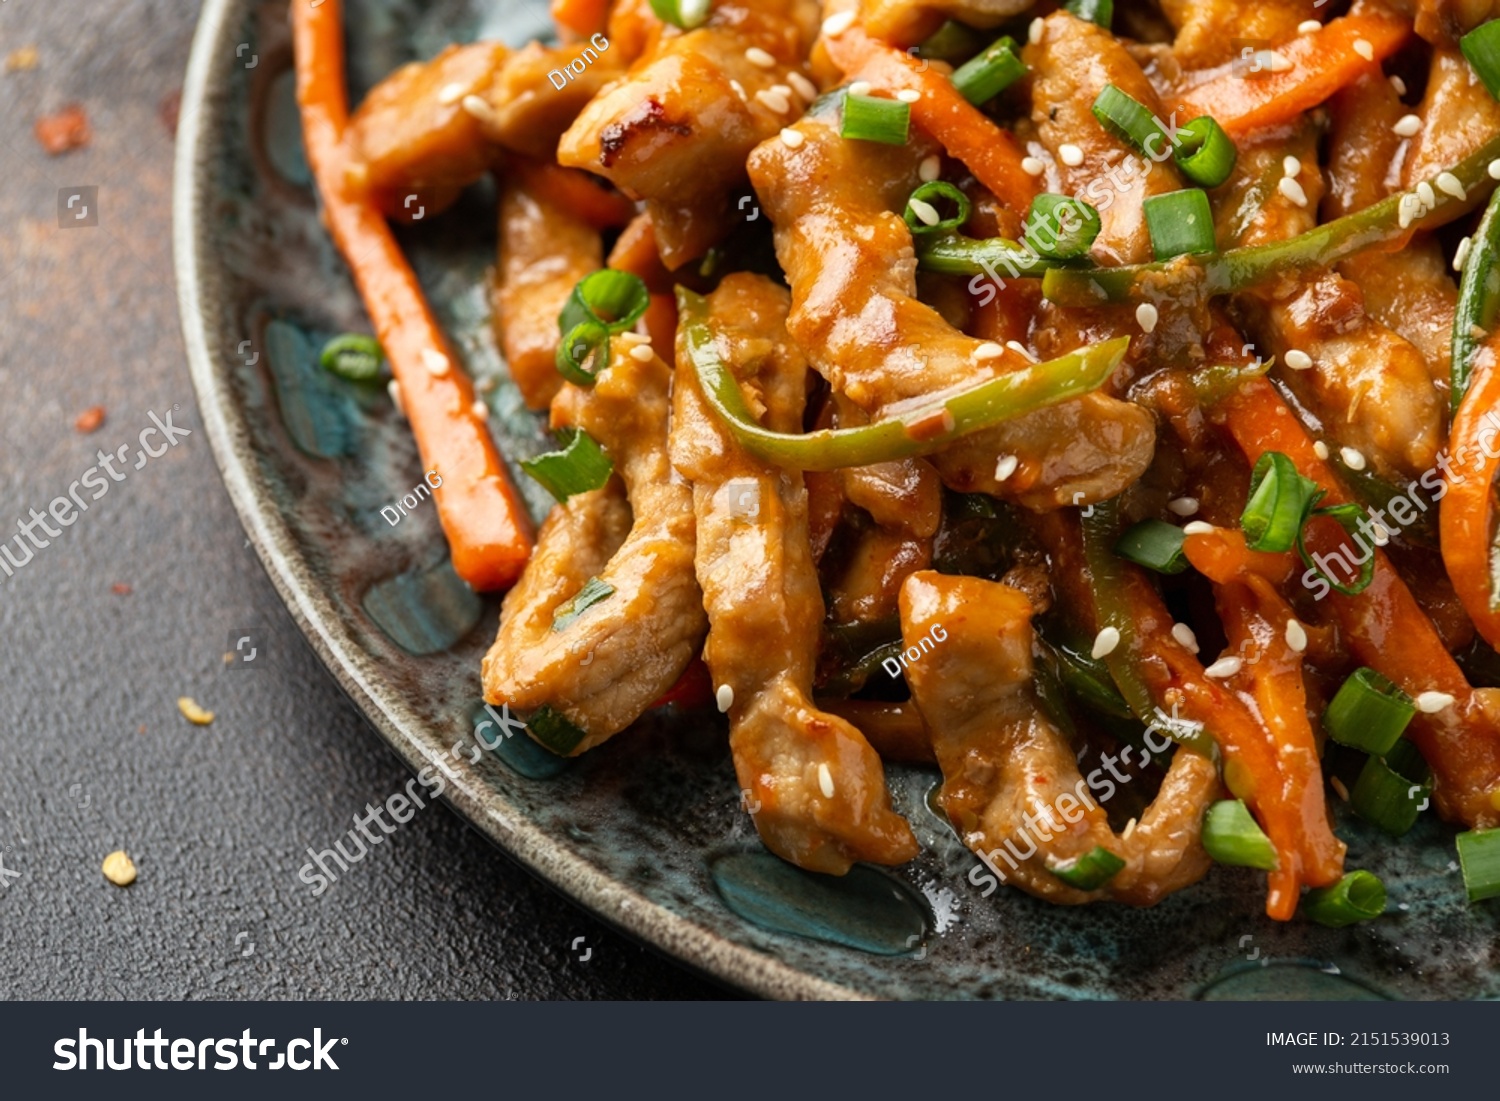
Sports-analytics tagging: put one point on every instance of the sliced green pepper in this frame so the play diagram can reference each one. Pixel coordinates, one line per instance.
(955, 254)
(1478, 300)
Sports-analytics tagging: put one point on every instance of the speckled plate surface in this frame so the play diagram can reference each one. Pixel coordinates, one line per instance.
(646, 831)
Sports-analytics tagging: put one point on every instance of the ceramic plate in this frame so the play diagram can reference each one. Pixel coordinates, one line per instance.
(646, 831)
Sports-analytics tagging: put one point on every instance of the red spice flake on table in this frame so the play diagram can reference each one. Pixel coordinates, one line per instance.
(119, 588)
(64, 131)
(90, 419)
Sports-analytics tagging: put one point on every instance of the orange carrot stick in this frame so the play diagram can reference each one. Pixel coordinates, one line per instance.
(582, 17)
(488, 529)
(1467, 516)
(1321, 64)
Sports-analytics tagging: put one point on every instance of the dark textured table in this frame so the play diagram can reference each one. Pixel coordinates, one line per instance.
(94, 755)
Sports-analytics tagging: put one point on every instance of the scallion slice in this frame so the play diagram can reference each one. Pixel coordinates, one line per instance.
(1101, 12)
(1280, 498)
(602, 304)
(354, 357)
(1479, 857)
(921, 206)
(554, 731)
(1205, 154)
(1155, 544)
(1386, 798)
(1348, 517)
(870, 118)
(1482, 47)
(990, 73)
(593, 592)
(1368, 712)
(1231, 836)
(1180, 223)
(579, 467)
(1359, 896)
(1088, 872)
(1126, 118)
(952, 42)
(1061, 228)
(686, 14)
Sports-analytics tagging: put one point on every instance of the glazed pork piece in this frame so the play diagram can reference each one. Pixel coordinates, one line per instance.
(812, 783)
(908, 22)
(1207, 30)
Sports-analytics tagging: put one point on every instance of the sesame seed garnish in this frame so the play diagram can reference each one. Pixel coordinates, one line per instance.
(1478, 332)
(1398, 84)
(1291, 166)
(1320, 449)
(989, 350)
(1338, 787)
(925, 211)
(1105, 642)
(479, 108)
(1450, 184)
(1407, 209)
(825, 781)
(739, 90)
(1071, 155)
(1032, 166)
(1427, 195)
(836, 25)
(1277, 62)
(861, 88)
(1146, 316)
(1020, 349)
(1430, 703)
(1380, 533)
(1364, 49)
(480, 410)
(1292, 191)
(1006, 467)
(1224, 667)
(1352, 458)
(1407, 126)
(1298, 360)
(1309, 26)
(1184, 506)
(1129, 829)
(1036, 30)
(724, 697)
(908, 95)
(1494, 170)
(930, 169)
(773, 100)
(759, 58)
(449, 94)
(435, 362)
(805, 88)
(1461, 257)
(1296, 636)
(643, 353)
(1185, 637)
(792, 139)
(1197, 527)
(393, 388)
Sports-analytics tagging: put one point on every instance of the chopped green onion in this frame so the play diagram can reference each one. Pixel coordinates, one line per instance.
(593, 592)
(578, 468)
(555, 732)
(687, 14)
(602, 304)
(869, 118)
(920, 206)
(1359, 896)
(1205, 154)
(1478, 299)
(1231, 836)
(1280, 498)
(1482, 47)
(1155, 544)
(1348, 517)
(1180, 222)
(1101, 12)
(353, 357)
(1126, 118)
(1386, 798)
(986, 76)
(1060, 228)
(1088, 872)
(952, 42)
(1368, 712)
(1479, 856)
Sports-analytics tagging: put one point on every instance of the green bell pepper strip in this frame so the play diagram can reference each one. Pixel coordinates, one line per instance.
(1243, 268)
(1478, 300)
(918, 431)
(997, 257)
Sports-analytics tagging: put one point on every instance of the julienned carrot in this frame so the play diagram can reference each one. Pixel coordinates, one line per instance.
(1321, 64)
(582, 17)
(488, 528)
(991, 153)
(1467, 516)
(1384, 626)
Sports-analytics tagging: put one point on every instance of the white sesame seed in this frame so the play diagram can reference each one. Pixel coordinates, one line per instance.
(1105, 642)
(1309, 26)
(1020, 349)
(479, 108)
(1427, 195)
(1198, 527)
(449, 94)
(825, 781)
(1352, 458)
(1380, 533)
(836, 25)
(1494, 170)
(908, 95)
(1406, 209)
(1292, 191)
(724, 697)
(1364, 49)
(1032, 166)
(1071, 155)
(792, 139)
(930, 169)
(1291, 166)
(1450, 184)
(480, 410)
(1320, 449)
(393, 388)
(643, 353)
(925, 211)
(1185, 637)
(1296, 636)
(1129, 829)
(805, 88)
(739, 90)
(1184, 506)
(1224, 667)
(1036, 30)
(435, 362)
(772, 100)
(1277, 62)
(759, 58)
(1461, 257)
(1298, 360)
(1430, 703)
(1398, 84)
(1146, 316)
(1006, 467)
(1407, 126)
(989, 350)
(861, 88)
(1339, 788)
(1478, 332)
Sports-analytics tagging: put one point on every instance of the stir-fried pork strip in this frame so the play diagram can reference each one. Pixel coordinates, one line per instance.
(1458, 116)
(545, 250)
(527, 112)
(908, 22)
(815, 787)
(856, 314)
(676, 130)
(1011, 784)
(605, 667)
(1207, 30)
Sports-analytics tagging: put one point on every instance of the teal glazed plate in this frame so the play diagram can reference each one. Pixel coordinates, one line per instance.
(646, 831)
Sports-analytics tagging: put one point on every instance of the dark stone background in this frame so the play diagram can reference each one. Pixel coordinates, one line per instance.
(94, 755)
